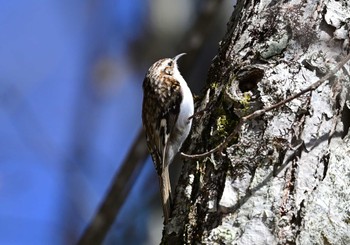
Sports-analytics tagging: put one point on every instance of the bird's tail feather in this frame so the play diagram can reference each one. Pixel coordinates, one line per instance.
(165, 191)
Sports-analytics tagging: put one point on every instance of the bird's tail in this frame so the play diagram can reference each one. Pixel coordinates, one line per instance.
(165, 192)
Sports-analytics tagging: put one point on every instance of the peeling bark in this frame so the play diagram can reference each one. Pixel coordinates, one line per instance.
(285, 179)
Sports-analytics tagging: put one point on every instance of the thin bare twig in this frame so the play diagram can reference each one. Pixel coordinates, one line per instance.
(258, 113)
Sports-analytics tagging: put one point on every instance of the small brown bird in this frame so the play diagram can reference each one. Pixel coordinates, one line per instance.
(166, 111)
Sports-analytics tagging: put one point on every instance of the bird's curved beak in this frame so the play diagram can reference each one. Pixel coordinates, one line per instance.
(178, 56)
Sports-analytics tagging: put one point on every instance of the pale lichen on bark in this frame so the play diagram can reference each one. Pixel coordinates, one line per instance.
(285, 179)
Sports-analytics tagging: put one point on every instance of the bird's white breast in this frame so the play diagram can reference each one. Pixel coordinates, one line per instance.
(186, 107)
(183, 124)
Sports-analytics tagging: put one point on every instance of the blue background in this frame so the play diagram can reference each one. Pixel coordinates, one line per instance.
(71, 77)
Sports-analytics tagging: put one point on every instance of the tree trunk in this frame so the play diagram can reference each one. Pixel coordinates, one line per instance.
(285, 178)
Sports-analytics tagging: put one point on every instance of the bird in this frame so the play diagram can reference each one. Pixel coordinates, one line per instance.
(166, 116)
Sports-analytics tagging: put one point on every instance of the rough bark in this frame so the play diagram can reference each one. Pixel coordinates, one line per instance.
(285, 179)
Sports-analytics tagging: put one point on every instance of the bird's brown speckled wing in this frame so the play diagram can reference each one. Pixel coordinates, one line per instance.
(161, 106)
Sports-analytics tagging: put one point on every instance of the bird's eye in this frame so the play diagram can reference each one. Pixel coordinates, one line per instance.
(170, 63)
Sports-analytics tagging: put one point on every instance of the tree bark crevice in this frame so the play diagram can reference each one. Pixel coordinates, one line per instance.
(284, 179)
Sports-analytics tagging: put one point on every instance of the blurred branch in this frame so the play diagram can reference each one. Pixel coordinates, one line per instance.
(192, 43)
(193, 40)
(117, 194)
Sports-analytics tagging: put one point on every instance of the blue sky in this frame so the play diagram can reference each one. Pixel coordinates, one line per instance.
(69, 109)
(71, 77)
